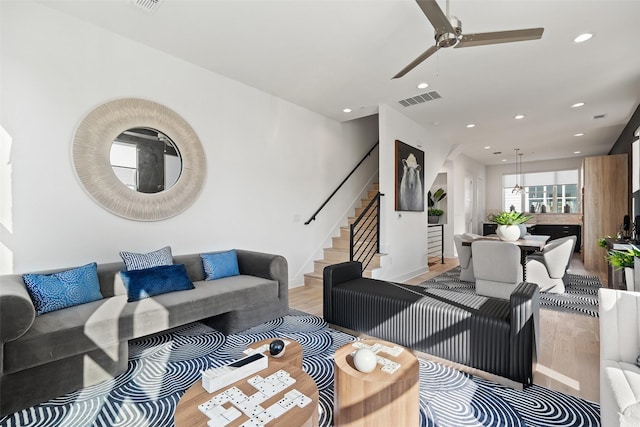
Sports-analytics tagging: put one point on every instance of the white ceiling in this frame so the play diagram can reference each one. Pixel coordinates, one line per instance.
(326, 55)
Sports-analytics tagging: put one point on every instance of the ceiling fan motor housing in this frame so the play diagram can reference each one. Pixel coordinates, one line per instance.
(450, 39)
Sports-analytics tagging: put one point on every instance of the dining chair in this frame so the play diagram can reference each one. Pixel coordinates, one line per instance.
(549, 269)
(464, 258)
(497, 268)
(524, 234)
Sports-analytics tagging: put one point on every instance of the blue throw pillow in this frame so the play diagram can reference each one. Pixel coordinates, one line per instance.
(51, 292)
(135, 261)
(220, 264)
(152, 281)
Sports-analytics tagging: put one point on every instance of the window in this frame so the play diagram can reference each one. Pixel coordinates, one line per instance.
(550, 192)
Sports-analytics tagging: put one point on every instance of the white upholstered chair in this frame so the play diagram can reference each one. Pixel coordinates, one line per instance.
(619, 347)
(497, 268)
(549, 269)
(464, 258)
(524, 234)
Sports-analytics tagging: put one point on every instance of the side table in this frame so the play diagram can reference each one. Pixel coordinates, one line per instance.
(187, 413)
(376, 398)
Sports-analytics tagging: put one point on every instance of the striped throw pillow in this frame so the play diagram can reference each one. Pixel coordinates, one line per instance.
(134, 261)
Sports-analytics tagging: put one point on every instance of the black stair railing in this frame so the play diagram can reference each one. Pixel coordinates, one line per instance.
(364, 233)
(313, 217)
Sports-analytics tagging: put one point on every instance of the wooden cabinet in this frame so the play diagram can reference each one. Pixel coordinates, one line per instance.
(604, 205)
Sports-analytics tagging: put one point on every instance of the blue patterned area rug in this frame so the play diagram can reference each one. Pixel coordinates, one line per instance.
(162, 367)
(580, 296)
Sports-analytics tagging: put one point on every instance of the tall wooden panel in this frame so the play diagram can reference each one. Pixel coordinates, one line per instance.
(605, 204)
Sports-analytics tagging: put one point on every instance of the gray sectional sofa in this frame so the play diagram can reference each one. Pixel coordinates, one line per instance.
(494, 335)
(45, 356)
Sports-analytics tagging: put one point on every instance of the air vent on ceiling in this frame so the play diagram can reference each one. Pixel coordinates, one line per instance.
(419, 99)
(599, 116)
(148, 5)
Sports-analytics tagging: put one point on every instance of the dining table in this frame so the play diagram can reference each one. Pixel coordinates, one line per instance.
(527, 246)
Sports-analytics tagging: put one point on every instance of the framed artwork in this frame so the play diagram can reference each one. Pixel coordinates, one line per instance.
(409, 178)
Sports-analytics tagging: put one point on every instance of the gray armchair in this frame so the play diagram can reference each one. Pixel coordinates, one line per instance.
(549, 269)
(464, 258)
(497, 268)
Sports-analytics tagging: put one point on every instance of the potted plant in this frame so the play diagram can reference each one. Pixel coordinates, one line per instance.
(434, 215)
(508, 229)
(432, 201)
(620, 259)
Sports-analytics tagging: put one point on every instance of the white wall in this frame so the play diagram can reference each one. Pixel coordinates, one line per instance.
(495, 173)
(270, 163)
(457, 169)
(404, 234)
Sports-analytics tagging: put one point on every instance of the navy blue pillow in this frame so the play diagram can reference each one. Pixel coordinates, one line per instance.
(220, 264)
(158, 280)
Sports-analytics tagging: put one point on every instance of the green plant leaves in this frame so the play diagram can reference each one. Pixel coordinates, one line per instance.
(510, 218)
(621, 259)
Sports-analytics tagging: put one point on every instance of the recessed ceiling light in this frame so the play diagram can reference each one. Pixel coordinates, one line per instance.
(578, 134)
(577, 104)
(471, 125)
(576, 152)
(503, 160)
(435, 123)
(583, 37)
(519, 116)
(423, 85)
(487, 147)
(346, 110)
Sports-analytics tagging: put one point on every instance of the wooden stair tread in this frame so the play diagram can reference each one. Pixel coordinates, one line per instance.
(339, 251)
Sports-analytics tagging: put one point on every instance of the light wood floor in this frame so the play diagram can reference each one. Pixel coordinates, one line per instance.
(570, 343)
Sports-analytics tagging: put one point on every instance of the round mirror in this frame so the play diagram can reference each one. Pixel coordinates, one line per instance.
(145, 160)
(167, 170)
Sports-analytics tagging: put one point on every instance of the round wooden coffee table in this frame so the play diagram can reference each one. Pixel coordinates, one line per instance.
(188, 415)
(292, 353)
(377, 398)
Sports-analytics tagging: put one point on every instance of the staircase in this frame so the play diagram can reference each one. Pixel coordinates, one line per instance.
(339, 251)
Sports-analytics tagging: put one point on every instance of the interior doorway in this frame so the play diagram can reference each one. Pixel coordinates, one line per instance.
(468, 204)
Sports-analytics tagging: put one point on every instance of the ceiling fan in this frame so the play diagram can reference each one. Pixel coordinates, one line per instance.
(448, 31)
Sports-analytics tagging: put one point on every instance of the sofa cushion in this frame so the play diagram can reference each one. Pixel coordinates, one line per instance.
(630, 417)
(134, 261)
(153, 281)
(220, 264)
(101, 324)
(50, 292)
(623, 381)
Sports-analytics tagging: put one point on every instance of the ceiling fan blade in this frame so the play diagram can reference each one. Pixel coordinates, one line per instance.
(435, 15)
(481, 39)
(417, 61)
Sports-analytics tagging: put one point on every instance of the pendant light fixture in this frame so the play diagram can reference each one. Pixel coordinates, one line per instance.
(518, 189)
